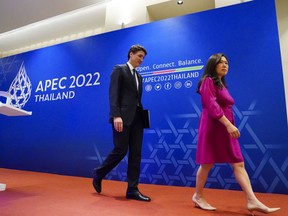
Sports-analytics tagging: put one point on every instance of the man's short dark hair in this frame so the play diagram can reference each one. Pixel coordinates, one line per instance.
(135, 48)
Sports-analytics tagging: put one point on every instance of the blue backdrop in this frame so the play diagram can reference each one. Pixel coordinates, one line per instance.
(68, 132)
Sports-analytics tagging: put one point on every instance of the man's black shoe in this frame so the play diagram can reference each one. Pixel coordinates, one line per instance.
(137, 196)
(97, 184)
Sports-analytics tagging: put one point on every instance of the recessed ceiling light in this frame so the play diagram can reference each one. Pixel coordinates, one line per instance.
(180, 2)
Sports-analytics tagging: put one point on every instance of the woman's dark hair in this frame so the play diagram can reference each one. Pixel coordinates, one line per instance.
(210, 71)
(135, 48)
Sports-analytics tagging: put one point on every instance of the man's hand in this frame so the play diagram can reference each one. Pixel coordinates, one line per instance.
(118, 124)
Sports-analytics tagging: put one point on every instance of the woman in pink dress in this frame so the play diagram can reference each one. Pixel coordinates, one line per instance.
(218, 135)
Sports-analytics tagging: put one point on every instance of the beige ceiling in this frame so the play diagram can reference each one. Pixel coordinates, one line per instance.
(15, 14)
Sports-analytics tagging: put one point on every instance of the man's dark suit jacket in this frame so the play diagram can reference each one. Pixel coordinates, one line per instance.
(123, 94)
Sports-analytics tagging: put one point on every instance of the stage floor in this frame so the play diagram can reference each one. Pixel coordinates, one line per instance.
(41, 194)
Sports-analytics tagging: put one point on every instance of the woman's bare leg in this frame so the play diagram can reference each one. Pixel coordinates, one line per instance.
(201, 178)
(253, 204)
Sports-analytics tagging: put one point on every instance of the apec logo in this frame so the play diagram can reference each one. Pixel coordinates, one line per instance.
(20, 88)
(18, 94)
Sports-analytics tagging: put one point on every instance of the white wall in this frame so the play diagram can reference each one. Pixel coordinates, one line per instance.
(282, 18)
(222, 3)
(125, 12)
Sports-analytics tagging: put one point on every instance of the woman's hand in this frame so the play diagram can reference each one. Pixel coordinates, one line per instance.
(233, 131)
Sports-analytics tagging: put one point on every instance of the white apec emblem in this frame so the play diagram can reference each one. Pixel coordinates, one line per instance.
(20, 89)
(18, 95)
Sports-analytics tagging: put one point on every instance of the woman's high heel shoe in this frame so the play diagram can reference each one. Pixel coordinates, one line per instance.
(262, 209)
(201, 203)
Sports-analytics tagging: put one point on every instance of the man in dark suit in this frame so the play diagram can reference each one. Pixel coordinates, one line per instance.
(126, 110)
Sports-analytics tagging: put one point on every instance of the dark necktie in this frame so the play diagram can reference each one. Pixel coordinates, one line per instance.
(135, 78)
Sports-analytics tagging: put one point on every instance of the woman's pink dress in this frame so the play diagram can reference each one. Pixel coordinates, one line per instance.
(215, 145)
